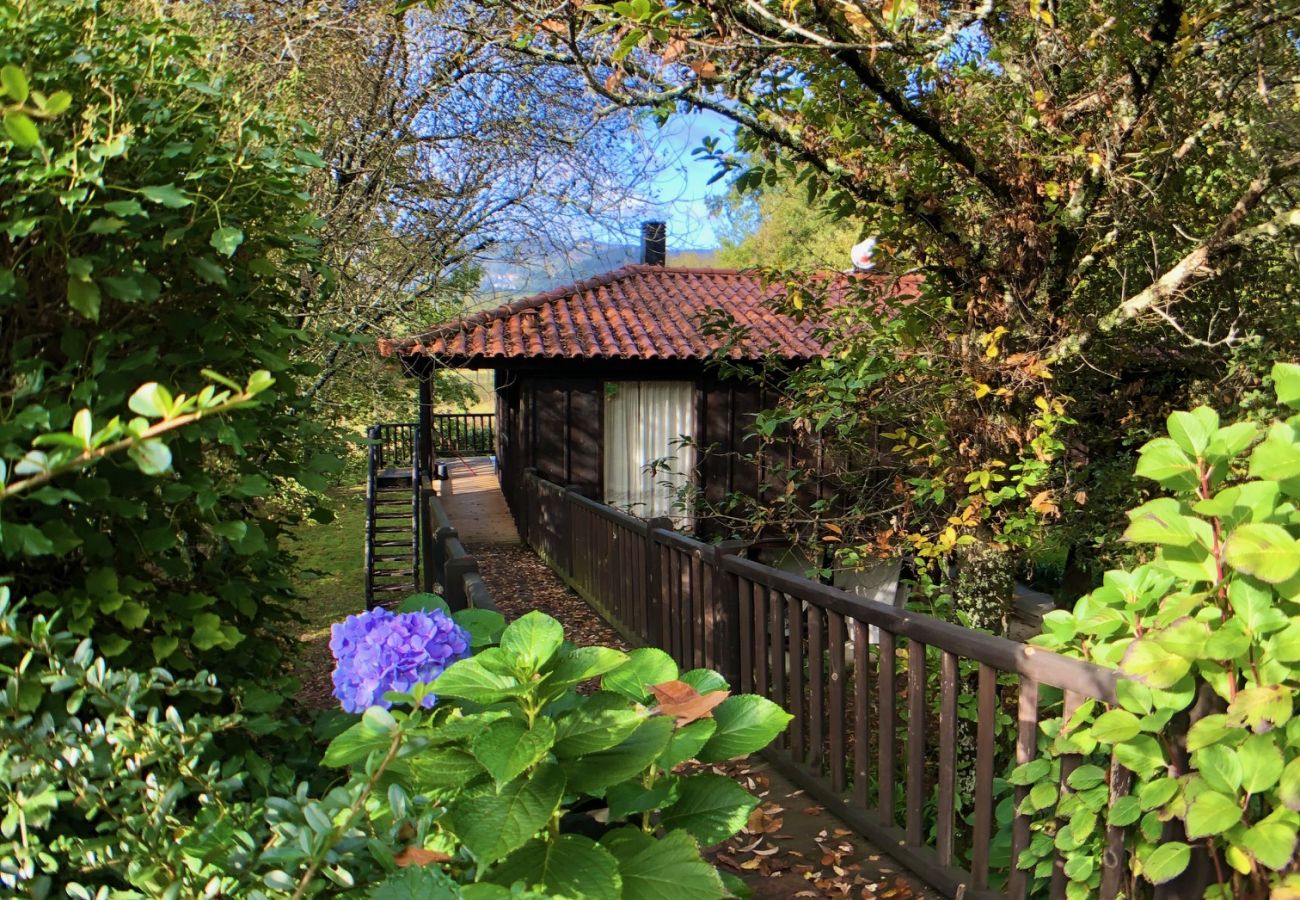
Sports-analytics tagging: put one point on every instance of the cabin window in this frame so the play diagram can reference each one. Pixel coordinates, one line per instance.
(649, 454)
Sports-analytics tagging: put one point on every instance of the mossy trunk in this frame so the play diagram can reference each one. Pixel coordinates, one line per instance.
(984, 589)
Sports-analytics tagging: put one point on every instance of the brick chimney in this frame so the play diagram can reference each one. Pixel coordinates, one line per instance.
(654, 243)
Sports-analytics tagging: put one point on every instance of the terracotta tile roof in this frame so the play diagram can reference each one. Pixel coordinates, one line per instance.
(636, 312)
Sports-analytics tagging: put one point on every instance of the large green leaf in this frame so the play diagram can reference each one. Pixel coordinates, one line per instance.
(1288, 789)
(631, 756)
(369, 734)
(508, 746)
(21, 130)
(1166, 862)
(1151, 664)
(711, 807)
(1261, 763)
(581, 663)
(494, 824)
(666, 869)
(531, 640)
(226, 240)
(1264, 550)
(1272, 843)
(1277, 458)
(1164, 462)
(470, 680)
(14, 82)
(435, 769)
(1220, 766)
(1211, 813)
(1161, 521)
(416, 883)
(1192, 431)
(1286, 383)
(568, 866)
(1114, 726)
(687, 742)
(644, 667)
(746, 724)
(168, 195)
(603, 720)
(484, 626)
(1261, 708)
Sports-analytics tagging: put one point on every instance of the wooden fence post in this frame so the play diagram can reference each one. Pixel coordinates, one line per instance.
(654, 595)
(723, 646)
(454, 586)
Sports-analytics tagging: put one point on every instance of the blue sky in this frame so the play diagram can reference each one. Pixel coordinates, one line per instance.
(682, 188)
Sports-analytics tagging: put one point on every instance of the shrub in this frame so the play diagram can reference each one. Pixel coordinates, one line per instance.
(1207, 635)
(516, 780)
(151, 225)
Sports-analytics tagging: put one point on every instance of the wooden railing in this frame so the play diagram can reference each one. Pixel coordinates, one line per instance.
(448, 567)
(810, 647)
(395, 445)
(463, 434)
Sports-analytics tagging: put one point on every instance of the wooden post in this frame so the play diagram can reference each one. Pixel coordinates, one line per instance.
(724, 644)
(654, 596)
(425, 421)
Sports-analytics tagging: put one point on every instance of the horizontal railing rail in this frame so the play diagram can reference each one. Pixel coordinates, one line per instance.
(463, 434)
(874, 690)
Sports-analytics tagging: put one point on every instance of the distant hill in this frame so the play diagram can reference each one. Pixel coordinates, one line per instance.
(510, 279)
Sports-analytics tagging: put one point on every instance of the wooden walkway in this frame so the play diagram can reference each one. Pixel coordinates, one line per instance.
(472, 497)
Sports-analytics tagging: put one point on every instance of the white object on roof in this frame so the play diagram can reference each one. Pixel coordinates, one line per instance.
(861, 253)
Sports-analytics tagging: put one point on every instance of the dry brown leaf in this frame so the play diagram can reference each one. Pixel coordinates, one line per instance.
(418, 856)
(685, 703)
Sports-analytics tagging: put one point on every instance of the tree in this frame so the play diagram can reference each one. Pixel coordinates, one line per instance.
(438, 151)
(1099, 196)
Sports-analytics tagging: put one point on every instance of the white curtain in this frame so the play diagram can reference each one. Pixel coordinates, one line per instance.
(646, 463)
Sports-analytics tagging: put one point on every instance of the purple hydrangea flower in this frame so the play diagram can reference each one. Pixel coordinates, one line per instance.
(379, 651)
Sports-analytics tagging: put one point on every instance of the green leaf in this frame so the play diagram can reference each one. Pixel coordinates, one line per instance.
(687, 742)
(1160, 521)
(1263, 550)
(507, 747)
(1166, 862)
(1286, 382)
(84, 297)
(1272, 843)
(1261, 708)
(632, 797)
(424, 602)
(1288, 790)
(484, 626)
(1141, 754)
(226, 240)
(1211, 813)
(1154, 794)
(1085, 777)
(1164, 462)
(666, 869)
(168, 195)
(1220, 766)
(1124, 811)
(568, 866)
(711, 807)
(582, 663)
(601, 722)
(1277, 458)
(1192, 431)
(704, 680)
(1255, 606)
(208, 270)
(1151, 664)
(746, 724)
(57, 103)
(356, 743)
(494, 824)
(14, 81)
(152, 457)
(470, 680)
(1261, 763)
(1285, 645)
(631, 756)
(644, 667)
(1115, 726)
(1210, 730)
(411, 883)
(1230, 440)
(1185, 637)
(21, 130)
(531, 640)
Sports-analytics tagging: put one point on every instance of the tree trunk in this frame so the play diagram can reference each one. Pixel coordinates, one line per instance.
(984, 589)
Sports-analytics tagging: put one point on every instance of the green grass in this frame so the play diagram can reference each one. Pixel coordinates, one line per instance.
(332, 558)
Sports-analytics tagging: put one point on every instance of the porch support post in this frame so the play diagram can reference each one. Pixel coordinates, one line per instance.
(425, 420)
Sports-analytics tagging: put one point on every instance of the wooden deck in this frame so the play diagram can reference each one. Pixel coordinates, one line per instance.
(472, 497)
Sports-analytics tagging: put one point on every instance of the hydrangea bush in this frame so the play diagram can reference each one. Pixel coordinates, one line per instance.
(379, 651)
(514, 781)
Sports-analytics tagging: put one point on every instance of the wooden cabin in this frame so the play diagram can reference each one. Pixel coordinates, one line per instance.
(599, 382)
